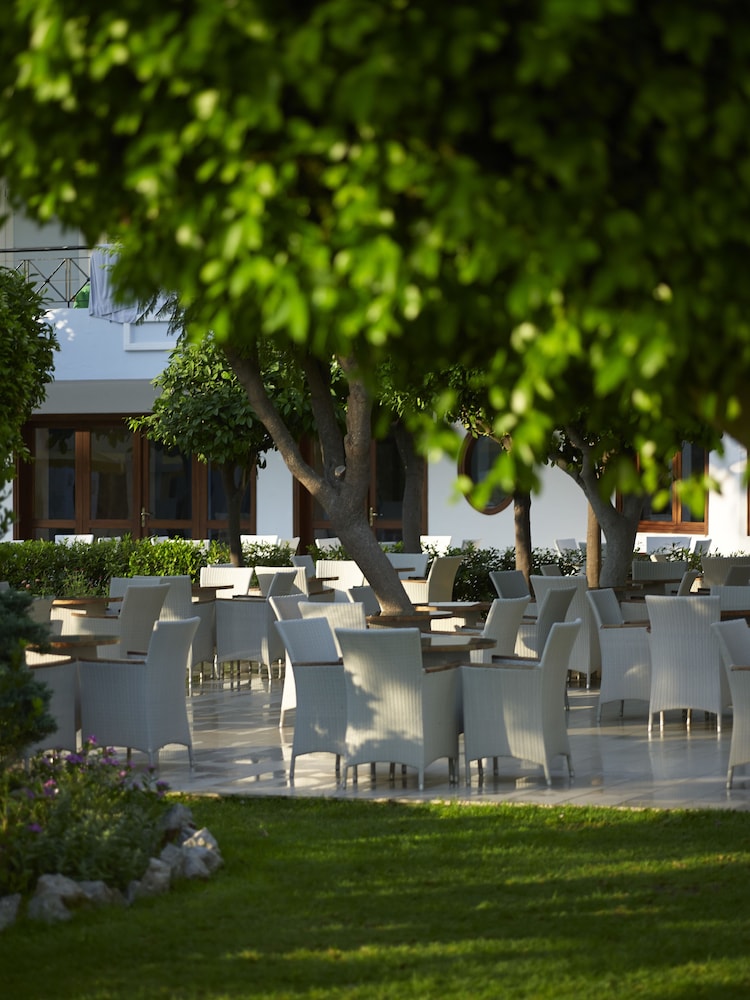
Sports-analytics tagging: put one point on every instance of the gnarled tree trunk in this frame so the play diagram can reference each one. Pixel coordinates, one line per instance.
(414, 477)
(342, 487)
(522, 526)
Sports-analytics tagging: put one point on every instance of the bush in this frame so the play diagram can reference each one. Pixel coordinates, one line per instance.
(24, 701)
(84, 569)
(78, 570)
(87, 816)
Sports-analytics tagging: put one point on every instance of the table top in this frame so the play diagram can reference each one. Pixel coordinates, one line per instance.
(414, 619)
(457, 607)
(83, 602)
(77, 640)
(447, 642)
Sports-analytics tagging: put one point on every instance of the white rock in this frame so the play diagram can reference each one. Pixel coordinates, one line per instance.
(9, 907)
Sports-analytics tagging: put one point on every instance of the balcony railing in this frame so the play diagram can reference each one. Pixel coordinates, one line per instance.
(58, 273)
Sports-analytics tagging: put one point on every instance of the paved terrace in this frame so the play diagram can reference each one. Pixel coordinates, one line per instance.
(240, 750)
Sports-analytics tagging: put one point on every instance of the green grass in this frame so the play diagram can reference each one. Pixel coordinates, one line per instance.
(368, 900)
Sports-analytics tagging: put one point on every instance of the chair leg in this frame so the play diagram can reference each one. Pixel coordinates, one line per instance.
(730, 776)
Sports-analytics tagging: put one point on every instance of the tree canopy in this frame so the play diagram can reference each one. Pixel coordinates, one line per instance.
(521, 186)
(27, 352)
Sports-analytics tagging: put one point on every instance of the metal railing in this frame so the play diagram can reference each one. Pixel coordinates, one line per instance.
(58, 273)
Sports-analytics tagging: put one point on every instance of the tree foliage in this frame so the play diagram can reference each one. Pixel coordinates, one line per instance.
(552, 192)
(27, 350)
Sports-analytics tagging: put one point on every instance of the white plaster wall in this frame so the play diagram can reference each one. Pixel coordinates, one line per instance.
(727, 510)
(120, 363)
(559, 510)
(94, 348)
(275, 498)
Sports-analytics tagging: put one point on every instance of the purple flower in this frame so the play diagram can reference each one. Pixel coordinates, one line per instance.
(75, 758)
(50, 787)
(34, 828)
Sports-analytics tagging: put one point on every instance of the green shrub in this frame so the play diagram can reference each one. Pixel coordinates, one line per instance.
(77, 570)
(87, 816)
(24, 701)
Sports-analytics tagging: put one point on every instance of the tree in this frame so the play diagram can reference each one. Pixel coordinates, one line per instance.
(27, 351)
(520, 187)
(203, 410)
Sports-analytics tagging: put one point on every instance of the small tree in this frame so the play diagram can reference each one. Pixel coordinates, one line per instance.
(27, 346)
(204, 410)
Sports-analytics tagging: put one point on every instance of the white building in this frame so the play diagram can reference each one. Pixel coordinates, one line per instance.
(91, 474)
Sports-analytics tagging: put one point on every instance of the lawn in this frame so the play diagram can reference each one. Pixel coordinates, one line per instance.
(348, 899)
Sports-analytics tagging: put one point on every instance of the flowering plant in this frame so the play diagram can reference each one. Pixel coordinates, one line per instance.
(87, 816)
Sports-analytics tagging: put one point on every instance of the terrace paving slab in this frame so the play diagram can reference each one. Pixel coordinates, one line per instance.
(240, 750)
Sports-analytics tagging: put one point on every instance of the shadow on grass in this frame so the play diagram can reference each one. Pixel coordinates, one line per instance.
(336, 898)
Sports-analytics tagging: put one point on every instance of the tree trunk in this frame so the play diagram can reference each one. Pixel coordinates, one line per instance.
(619, 526)
(414, 477)
(234, 493)
(593, 549)
(522, 525)
(342, 488)
(620, 529)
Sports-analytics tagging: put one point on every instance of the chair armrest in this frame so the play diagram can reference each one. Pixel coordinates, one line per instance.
(417, 579)
(739, 667)
(641, 624)
(114, 660)
(317, 663)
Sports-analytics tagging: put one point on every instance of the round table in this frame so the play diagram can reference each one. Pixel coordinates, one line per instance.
(444, 649)
(415, 619)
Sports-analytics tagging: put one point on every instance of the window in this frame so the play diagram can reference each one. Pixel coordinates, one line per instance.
(92, 474)
(477, 458)
(677, 516)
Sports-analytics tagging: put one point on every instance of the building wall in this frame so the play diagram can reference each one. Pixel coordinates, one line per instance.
(109, 367)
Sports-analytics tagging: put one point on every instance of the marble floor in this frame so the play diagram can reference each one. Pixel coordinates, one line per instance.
(240, 750)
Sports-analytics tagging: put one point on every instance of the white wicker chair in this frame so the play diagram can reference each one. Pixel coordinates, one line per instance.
(438, 585)
(396, 711)
(734, 647)
(139, 611)
(510, 583)
(244, 635)
(313, 661)
(337, 613)
(550, 569)
(275, 581)
(625, 652)
(339, 574)
(365, 595)
(532, 635)
(502, 624)
(732, 598)
(409, 564)
(319, 650)
(60, 674)
(514, 708)
(686, 670)
(584, 658)
(307, 562)
(140, 704)
(179, 605)
(236, 580)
